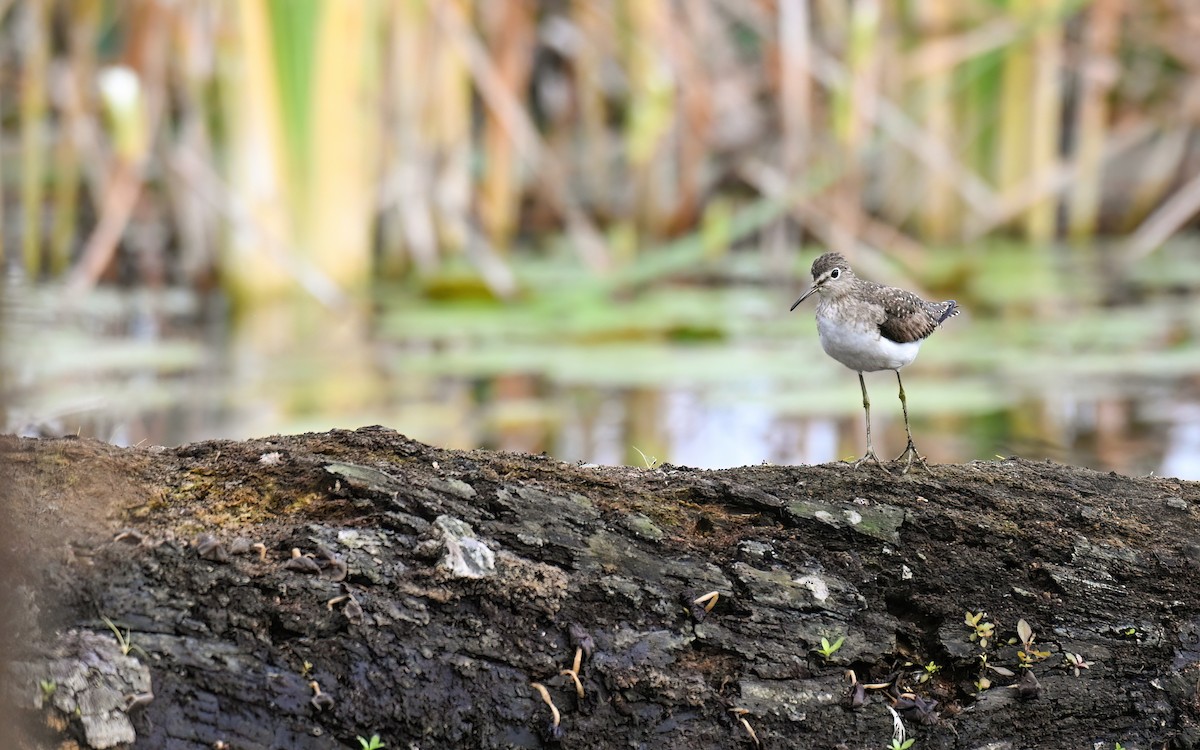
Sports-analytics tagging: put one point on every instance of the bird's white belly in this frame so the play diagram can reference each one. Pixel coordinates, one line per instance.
(862, 348)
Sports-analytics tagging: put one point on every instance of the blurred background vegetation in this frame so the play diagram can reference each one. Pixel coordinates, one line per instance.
(575, 226)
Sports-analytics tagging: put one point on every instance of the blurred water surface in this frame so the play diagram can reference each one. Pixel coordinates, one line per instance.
(1046, 363)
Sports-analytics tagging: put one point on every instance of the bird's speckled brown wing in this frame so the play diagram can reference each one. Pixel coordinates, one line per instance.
(909, 318)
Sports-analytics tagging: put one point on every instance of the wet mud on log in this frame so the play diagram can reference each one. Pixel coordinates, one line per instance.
(298, 592)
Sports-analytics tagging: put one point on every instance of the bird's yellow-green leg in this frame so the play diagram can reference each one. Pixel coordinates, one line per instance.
(870, 455)
(910, 453)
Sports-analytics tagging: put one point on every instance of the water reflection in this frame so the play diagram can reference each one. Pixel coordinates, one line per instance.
(139, 369)
(1183, 443)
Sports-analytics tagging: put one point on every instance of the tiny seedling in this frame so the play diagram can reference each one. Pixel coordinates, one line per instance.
(981, 630)
(372, 744)
(984, 682)
(828, 649)
(1028, 655)
(649, 461)
(1025, 633)
(897, 744)
(1118, 746)
(48, 688)
(123, 640)
(928, 671)
(1076, 662)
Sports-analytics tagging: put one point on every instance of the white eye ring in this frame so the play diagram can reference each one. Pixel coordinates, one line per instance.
(835, 273)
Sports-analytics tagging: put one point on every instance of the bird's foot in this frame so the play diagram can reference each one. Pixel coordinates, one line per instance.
(910, 455)
(870, 456)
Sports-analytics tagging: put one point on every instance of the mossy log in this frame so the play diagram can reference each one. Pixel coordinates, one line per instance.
(300, 592)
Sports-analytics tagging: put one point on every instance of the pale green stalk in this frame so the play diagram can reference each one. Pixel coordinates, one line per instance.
(35, 30)
(1013, 141)
(1047, 96)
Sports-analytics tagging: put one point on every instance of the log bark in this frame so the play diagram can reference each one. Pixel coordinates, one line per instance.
(424, 592)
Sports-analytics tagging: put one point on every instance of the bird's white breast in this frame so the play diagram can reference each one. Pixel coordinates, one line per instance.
(859, 346)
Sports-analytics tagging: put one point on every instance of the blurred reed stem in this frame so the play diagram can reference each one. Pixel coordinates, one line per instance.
(73, 87)
(592, 141)
(508, 30)
(342, 155)
(447, 127)
(407, 229)
(34, 22)
(939, 215)
(291, 28)
(1013, 140)
(652, 107)
(1097, 73)
(1045, 128)
(1157, 171)
(795, 85)
(257, 156)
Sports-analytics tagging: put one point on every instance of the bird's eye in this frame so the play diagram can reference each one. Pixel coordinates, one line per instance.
(835, 273)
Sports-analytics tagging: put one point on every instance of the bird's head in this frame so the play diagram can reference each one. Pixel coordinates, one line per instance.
(831, 273)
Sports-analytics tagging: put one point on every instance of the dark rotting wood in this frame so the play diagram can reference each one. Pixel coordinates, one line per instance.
(430, 590)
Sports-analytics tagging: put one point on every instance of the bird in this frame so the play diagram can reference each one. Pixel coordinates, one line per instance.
(870, 327)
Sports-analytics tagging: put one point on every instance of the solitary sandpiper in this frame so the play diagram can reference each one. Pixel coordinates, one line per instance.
(869, 327)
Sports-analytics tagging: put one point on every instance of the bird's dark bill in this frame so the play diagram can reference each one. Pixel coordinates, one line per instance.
(802, 298)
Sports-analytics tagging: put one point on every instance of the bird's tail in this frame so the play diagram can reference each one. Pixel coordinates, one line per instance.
(950, 311)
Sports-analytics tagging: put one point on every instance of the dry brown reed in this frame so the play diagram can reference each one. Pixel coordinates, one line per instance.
(317, 143)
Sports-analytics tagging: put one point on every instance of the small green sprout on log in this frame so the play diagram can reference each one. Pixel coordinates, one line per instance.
(982, 630)
(828, 649)
(1076, 662)
(983, 683)
(372, 744)
(1028, 655)
(649, 461)
(928, 671)
(123, 640)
